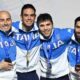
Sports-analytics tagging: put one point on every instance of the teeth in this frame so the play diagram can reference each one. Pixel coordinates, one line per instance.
(5, 27)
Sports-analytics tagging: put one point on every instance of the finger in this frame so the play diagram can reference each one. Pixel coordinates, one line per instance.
(10, 64)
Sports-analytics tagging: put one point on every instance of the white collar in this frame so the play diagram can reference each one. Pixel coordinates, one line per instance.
(42, 38)
(34, 28)
(73, 38)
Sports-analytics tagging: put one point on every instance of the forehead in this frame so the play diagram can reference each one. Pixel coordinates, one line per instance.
(28, 10)
(45, 22)
(4, 15)
(78, 23)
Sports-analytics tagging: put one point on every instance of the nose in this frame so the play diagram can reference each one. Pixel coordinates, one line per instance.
(29, 17)
(5, 22)
(78, 29)
(45, 27)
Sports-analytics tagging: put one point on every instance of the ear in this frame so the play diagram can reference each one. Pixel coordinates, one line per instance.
(21, 17)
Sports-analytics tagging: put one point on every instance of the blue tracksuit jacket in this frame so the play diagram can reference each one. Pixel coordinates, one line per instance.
(53, 54)
(28, 45)
(7, 50)
(18, 25)
(73, 50)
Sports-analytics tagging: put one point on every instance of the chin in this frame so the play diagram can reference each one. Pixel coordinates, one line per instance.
(46, 37)
(29, 25)
(78, 36)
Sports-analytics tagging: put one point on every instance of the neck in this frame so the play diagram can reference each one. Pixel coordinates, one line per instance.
(77, 39)
(27, 28)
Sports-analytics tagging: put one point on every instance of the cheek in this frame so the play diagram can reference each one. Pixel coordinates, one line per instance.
(1, 23)
(24, 21)
(78, 30)
(33, 18)
(24, 18)
(10, 22)
(50, 29)
(41, 29)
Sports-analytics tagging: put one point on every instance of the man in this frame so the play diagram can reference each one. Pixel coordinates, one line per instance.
(7, 47)
(31, 54)
(27, 59)
(53, 55)
(28, 15)
(74, 52)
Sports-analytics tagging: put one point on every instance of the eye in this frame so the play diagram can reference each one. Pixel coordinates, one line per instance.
(25, 15)
(1, 20)
(9, 19)
(41, 25)
(32, 15)
(48, 24)
(77, 26)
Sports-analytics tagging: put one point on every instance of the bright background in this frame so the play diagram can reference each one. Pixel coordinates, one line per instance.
(63, 11)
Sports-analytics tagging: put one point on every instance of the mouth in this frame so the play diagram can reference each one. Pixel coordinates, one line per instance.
(78, 35)
(47, 33)
(29, 21)
(6, 27)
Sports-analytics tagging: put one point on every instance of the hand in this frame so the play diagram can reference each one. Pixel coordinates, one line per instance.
(77, 68)
(5, 65)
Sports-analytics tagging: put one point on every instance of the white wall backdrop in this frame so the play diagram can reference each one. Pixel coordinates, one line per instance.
(63, 11)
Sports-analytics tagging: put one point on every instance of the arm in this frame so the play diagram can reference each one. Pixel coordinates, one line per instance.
(67, 33)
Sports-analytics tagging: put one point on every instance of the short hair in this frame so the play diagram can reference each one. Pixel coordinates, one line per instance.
(76, 20)
(25, 6)
(44, 17)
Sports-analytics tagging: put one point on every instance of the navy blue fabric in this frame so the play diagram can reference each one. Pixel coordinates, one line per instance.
(28, 76)
(66, 77)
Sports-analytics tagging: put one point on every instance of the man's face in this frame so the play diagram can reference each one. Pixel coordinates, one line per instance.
(28, 17)
(45, 28)
(5, 21)
(77, 29)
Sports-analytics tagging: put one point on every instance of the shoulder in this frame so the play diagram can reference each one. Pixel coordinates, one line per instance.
(64, 31)
(16, 24)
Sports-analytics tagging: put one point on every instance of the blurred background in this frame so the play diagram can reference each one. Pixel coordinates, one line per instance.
(63, 11)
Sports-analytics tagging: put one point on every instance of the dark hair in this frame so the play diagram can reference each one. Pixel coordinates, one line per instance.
(76, 20)
(25, 6)
(44, 17)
